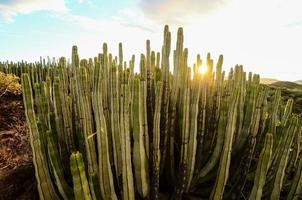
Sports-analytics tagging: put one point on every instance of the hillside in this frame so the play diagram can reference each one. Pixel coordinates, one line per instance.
(287, 84)
(268, 81)
(289, 90)
(299, 82)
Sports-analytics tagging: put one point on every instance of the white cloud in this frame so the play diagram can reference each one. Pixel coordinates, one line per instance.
(112, 30)
(249, 32)
(264, 36)
(176, 11)
(134, 18)
(12, 8)
(85, 22)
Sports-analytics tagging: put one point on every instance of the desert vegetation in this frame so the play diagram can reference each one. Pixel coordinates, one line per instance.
(9, 83)
(100, 129)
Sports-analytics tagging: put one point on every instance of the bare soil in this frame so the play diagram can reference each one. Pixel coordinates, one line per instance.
(17, 179)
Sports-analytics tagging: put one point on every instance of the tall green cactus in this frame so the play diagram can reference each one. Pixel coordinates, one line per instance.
(64, 189)
(296, 187)
(115, 123)
(85, 112)
(80, 182)
(192, 139)
(262, 168)
(154, 193)
(140, 162)
(143, 93)
(278, 182)
(45, 186)
(105, 173)
(219, 143)
(162, 132)
(223, 171)
(127, 175)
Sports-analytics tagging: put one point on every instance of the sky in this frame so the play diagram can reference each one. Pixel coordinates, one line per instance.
(265, 36)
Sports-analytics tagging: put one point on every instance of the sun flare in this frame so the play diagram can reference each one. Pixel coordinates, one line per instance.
(202, 70)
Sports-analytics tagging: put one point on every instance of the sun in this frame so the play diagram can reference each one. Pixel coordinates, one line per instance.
(202, 70)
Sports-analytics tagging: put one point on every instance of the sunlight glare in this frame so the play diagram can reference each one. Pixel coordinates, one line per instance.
(202, 70)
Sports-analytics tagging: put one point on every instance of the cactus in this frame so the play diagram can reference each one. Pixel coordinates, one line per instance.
(85, 114)
(219, 143)
(127, 175)
(223, 171)
(296, 187)
(192, 140)
(115, 123)
(105, 173)
(62, 138)
(154, 193)
(275, 194)
(165, 79)
(262, 168)
(45, 186)
(140, 161)
(143, 93)
(164, 132)
(63, 187)
(80, 182)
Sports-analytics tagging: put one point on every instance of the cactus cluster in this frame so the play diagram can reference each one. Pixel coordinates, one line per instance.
(101, 130)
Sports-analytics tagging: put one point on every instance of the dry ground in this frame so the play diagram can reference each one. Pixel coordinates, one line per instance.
(17, 179)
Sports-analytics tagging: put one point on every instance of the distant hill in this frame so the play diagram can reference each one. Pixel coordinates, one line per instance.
(299, 82)
(288, 90)
(283, 84)
(287, 84)
(268, 81)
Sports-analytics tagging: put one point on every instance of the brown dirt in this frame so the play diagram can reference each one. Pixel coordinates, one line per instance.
(17, 180)
(11, 111)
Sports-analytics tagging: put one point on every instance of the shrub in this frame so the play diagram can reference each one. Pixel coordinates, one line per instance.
(9, 83)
